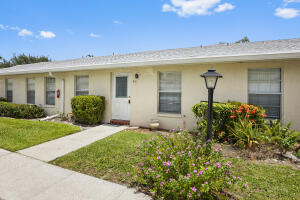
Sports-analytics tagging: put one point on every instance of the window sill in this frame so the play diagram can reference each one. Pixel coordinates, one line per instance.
(49, 106)
(168, 115)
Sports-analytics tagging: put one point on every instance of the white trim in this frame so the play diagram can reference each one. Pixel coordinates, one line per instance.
(209, 59)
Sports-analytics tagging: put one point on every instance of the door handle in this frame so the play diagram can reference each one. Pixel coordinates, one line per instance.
(129, 101)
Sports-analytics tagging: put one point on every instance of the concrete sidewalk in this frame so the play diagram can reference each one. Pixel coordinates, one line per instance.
(25, 178)
(56, 148)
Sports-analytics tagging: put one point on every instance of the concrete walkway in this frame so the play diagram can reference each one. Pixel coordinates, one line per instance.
(26, 178)
(56, 148)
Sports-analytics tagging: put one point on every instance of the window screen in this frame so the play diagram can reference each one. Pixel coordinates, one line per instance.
(265, 90)
(50, 91)
(121, 87)
(9, 90)
(31, 91)
(170, 92)
(82, 85)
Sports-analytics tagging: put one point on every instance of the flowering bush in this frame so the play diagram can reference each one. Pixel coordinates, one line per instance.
(179, 166)
(225, 115)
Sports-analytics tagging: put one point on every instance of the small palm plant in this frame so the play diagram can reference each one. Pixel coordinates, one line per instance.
(246, 134)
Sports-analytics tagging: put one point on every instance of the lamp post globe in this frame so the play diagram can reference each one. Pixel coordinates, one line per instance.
(211, 78)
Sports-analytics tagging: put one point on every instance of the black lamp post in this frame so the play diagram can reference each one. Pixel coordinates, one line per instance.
(211, 77)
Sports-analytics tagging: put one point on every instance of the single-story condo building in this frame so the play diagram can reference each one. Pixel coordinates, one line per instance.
(165, 84)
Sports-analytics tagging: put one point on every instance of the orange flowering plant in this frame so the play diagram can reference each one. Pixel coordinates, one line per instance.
(225, 115)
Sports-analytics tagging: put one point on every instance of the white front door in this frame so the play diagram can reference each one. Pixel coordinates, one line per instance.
(121, 97)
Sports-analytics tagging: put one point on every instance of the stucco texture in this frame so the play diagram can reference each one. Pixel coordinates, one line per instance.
(144, 90)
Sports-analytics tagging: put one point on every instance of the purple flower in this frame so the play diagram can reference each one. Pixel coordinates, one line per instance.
(138, 146)
(189, 175)
(218, 165)
(171, 156)
(170, 179)
(194, 189)
(164, 163)
(137, 152)
(167, 171)
(228, 172)
(201, 172)
(199, 194)
(153, 138)
(234, 177)
(190, 195)
(189, 154)
(177, 153)
(161, 184)
(205, 182)
(157, 176)
(169, 163)
(158, 157)
(229, 183)
(182, 152)
(245, 185)
(207, 163)
(206, 168)
(195, 171)
(198, 146)
(216, 149)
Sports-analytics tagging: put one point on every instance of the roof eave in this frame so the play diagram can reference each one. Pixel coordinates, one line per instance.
(212, 59)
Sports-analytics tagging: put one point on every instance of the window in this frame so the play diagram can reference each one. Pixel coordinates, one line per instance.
(82, 85)
(9, 90)
(265, 90)
(50, 91)
(170, 92)
(31, 91)
(121, 87)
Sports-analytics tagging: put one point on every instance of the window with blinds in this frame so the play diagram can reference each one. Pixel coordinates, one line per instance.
(9, 90)
(265, 90)
(170, 92)
(30, 91)
(82, 85)
(50, 91)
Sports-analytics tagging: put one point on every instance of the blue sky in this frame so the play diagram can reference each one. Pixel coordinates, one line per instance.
(66, 29)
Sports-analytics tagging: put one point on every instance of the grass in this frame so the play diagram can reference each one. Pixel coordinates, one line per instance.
(112, 157)
(17, 134)
(267, 181)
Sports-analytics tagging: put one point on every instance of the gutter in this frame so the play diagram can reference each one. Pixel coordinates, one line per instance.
(211, 59)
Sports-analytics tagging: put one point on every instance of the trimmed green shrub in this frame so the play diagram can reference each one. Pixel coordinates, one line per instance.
(88, 109)
(179, 166)
(224, 116)
(23, 111)
(2, 99)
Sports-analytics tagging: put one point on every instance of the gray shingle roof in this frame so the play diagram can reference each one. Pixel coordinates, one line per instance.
(149, 57)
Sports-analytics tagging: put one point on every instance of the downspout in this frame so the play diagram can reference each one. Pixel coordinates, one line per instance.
(62, 93)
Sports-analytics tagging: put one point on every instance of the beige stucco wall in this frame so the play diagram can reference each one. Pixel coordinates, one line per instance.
(144, 90)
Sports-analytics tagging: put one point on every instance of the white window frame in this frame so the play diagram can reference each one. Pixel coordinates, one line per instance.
(27, 90)
(6, 89)
(170, 91)
(268, 93)
(85, 90)
(46, 103)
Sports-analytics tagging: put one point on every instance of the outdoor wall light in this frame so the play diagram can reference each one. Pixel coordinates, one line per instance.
(211, 78)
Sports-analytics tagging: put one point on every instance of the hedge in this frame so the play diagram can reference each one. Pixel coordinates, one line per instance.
(2, 99)
(23, 111)
(224, 114)
(88, 109)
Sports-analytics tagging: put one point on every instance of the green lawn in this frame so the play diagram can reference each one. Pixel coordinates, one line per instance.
(16, 134)
(112, 157)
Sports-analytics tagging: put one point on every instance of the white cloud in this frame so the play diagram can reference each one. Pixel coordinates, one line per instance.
(185, 8)
(3, 27)
(291, 1)
(224, 7)
(117, 22)
(14, 28)
(47, 34)
(24, 33)
(286, 13)
(95, 35)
